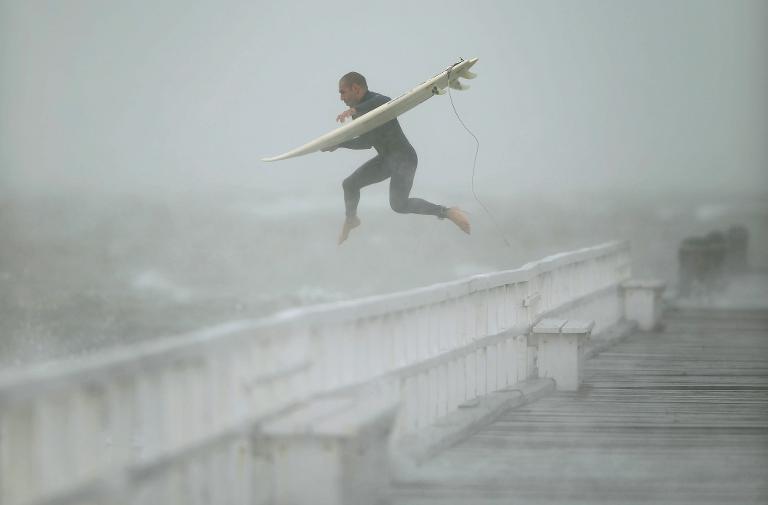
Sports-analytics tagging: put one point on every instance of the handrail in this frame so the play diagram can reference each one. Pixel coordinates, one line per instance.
(145, 354)
(71, 421)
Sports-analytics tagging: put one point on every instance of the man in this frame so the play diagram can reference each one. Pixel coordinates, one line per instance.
(396, 160)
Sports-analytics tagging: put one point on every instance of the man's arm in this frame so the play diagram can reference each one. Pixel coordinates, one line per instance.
(376, 100)
(356, 143)
(358, 110)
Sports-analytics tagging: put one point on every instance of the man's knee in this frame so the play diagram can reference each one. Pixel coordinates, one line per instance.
(399, 204)
(348, 184)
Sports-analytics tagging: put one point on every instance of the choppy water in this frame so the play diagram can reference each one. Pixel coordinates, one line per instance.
(81, 273)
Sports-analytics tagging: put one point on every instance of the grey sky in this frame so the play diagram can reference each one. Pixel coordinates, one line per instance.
(175, 95)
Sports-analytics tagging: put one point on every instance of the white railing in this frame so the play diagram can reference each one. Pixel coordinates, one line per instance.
(140, 421)
(70, 423)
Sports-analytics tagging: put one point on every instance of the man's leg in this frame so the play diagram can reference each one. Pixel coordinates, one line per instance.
(370, 172)
(403, 170)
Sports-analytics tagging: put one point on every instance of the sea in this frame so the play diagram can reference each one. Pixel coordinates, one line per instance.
(80, 272)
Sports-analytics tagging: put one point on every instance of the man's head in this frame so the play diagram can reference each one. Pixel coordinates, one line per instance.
(352, 88)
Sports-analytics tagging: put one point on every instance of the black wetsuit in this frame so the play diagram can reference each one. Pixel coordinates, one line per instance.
(396, 158)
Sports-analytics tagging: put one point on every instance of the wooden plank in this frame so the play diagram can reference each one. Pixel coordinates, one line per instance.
(678, 416)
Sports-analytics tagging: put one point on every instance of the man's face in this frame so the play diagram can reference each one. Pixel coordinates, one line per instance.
(350, 94)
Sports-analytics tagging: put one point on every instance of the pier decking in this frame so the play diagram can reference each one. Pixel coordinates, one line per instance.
(676, 416)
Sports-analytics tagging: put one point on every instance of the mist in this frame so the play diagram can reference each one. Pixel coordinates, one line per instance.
(138, 98)
(133, 202)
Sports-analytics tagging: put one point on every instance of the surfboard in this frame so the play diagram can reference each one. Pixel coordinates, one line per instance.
(390, 110)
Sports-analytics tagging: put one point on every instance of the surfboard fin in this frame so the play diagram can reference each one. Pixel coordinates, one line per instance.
(468, 75)
(457, 85)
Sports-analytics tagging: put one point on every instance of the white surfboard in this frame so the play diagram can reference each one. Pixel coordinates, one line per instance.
(388, 111)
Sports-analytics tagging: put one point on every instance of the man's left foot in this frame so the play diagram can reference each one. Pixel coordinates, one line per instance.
(349, 224)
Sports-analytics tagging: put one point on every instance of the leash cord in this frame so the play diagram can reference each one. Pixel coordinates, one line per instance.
(474, 165)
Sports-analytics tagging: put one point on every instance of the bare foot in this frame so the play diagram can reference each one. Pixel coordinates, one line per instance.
(459, 219)
(349, 224)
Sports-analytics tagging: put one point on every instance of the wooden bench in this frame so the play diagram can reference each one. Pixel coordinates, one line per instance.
(333, 451)
(559, 356)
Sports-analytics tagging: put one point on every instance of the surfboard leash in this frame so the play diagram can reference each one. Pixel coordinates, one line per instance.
(499, 229)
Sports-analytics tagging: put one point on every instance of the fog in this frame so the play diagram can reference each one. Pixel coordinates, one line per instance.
(167, 97)
(134, 203)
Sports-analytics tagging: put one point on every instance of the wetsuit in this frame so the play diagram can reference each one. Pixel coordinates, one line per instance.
(396, 158)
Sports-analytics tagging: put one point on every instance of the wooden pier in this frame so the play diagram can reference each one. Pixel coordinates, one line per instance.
(675, 416)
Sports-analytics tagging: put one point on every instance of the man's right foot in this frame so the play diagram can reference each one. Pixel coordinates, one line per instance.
(349, 224)
(459, 219)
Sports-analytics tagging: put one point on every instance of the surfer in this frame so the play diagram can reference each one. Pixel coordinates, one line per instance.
(396, 160)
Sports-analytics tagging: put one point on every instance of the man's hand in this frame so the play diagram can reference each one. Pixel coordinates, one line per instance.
(346, 114)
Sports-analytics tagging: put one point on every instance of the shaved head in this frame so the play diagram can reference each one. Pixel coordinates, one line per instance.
(354, 78)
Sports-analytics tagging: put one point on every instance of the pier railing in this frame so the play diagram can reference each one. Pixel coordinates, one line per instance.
(178, 419)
